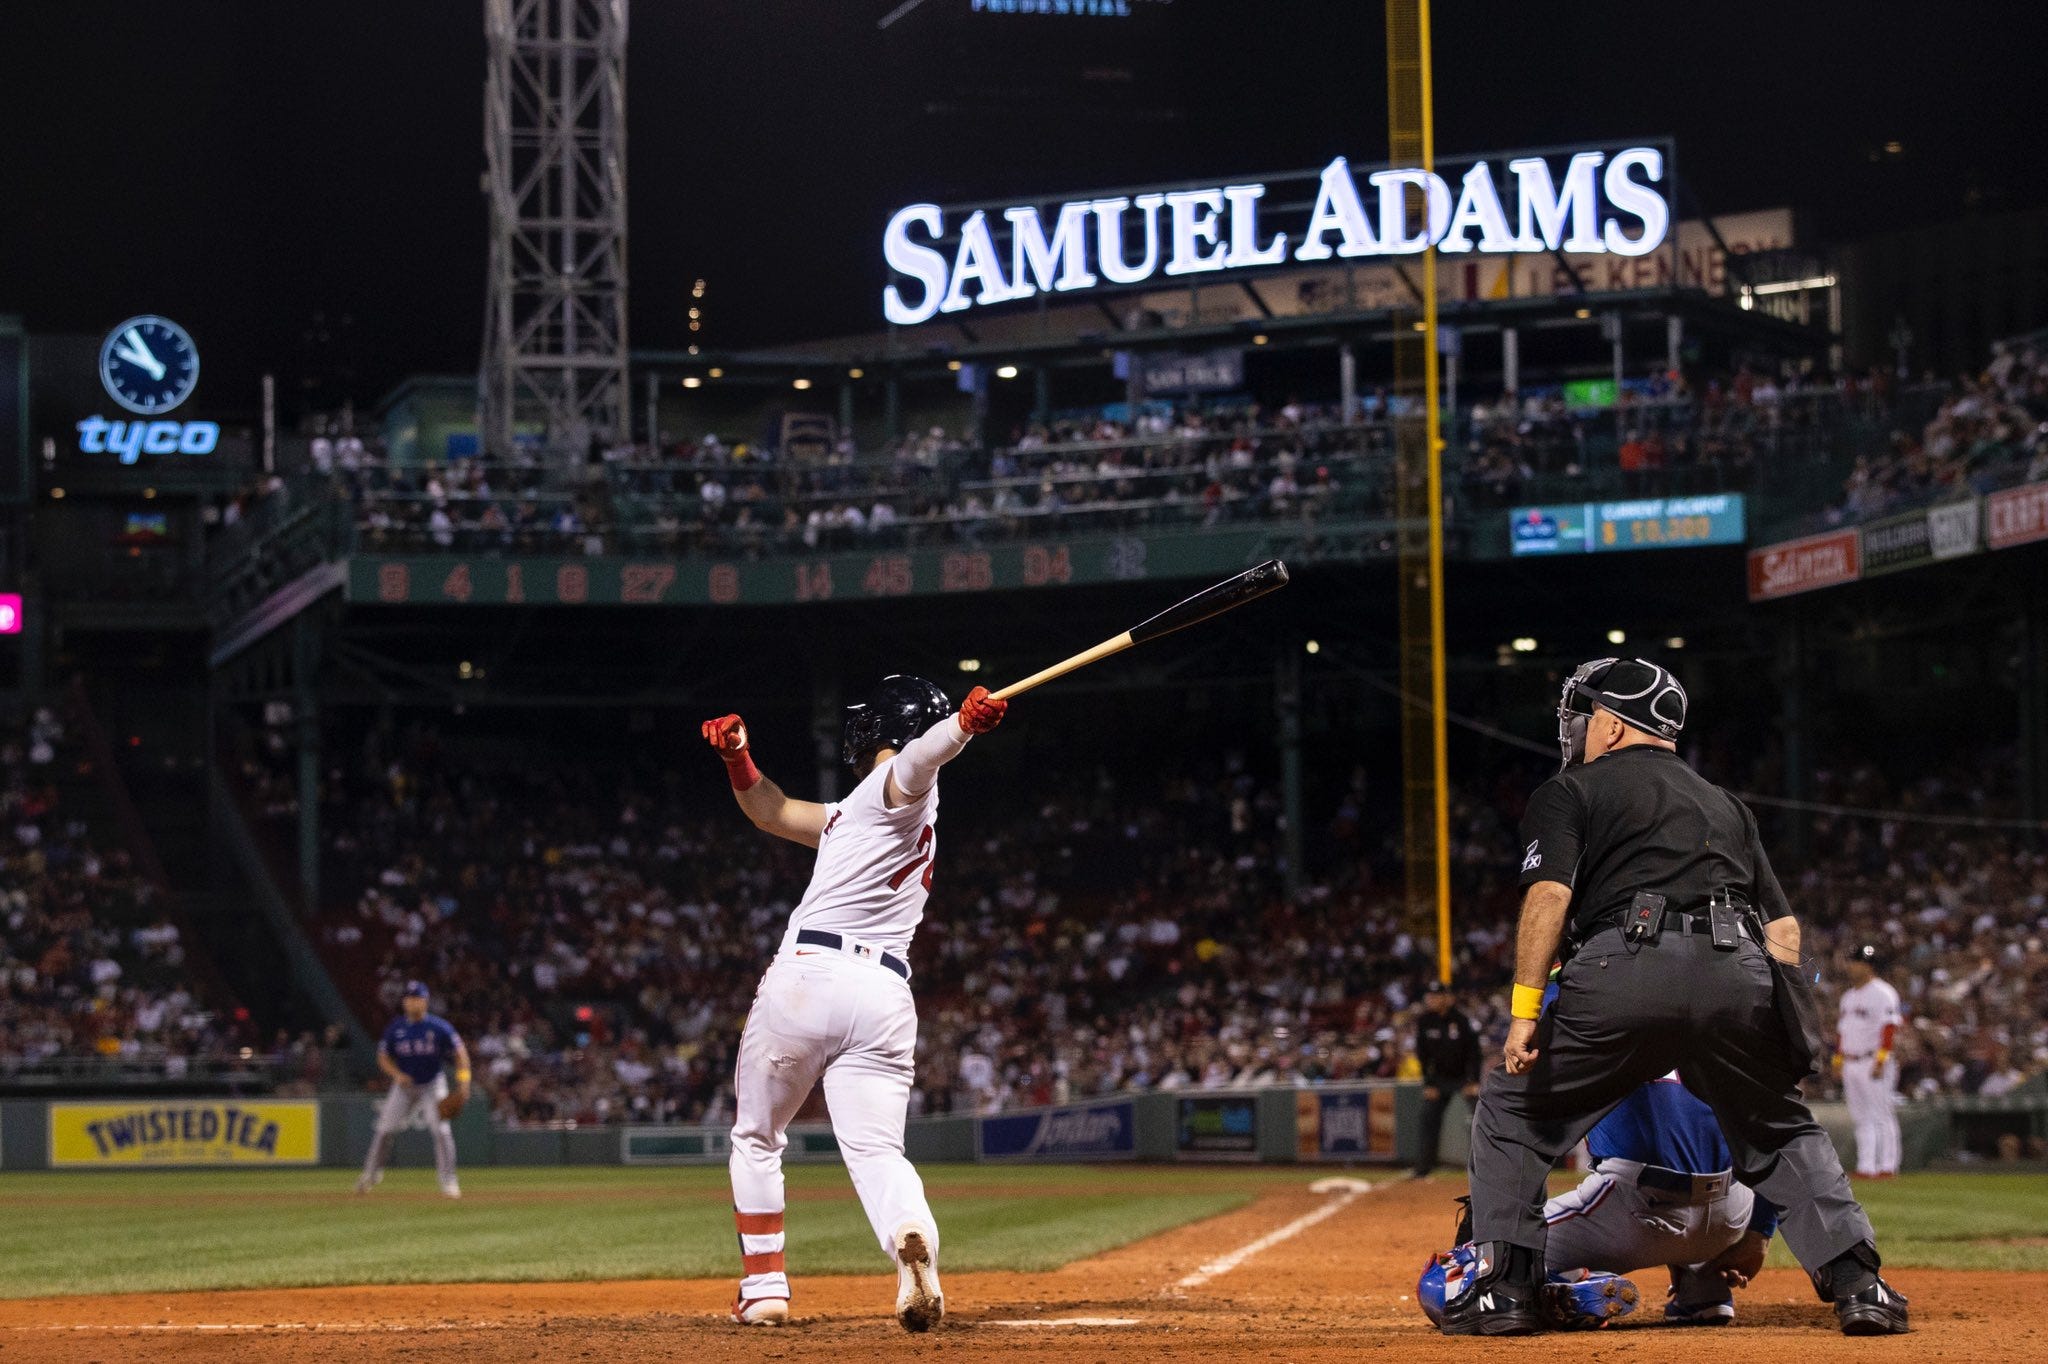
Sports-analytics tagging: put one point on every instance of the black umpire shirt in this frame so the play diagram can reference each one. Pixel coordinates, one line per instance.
(1640, 819)
(1447, 1048)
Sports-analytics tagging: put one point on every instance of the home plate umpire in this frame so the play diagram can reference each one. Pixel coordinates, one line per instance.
(1656, 885)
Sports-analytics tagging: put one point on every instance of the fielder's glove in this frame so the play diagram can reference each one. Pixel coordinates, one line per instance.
(450, 1105)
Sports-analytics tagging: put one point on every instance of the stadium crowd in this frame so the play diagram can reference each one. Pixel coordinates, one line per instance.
(90, 965)
(1990, 431)
(598, 940)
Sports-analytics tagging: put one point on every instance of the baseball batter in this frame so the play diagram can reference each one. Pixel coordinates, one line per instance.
(415, 1052)
(835, 1003)
(1870, 1019)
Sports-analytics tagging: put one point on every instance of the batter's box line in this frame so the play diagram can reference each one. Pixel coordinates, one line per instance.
(1344, 1193)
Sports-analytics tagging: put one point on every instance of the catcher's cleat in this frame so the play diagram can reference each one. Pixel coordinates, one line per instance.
(1586, 1299)
(1878, 1310)
(919, 1303)
(1704, 1314)
(760, 1311)
(1490, 1302)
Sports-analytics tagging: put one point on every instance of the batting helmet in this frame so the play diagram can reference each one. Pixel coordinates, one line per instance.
(1645, 696)
(1445, 1276)
(897, 711)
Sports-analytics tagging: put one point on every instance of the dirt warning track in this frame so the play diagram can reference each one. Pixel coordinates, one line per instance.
(1337, 1285)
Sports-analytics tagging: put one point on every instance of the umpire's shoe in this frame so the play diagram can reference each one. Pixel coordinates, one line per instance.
(1502, 1296)
(1878, 1310)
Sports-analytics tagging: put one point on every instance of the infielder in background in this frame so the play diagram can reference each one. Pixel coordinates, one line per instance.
(1863, 1054)
(836, 1000)
(415, 1053)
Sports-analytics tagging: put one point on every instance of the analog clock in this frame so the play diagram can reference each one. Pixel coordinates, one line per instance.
(149, 364)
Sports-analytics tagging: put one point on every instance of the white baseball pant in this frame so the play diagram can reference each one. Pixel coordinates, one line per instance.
(1873, 1107)
(413, 1106)
(1613, 1223)
(852, 1021)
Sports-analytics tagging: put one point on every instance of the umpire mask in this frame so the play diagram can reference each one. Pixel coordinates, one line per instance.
(1645, 696)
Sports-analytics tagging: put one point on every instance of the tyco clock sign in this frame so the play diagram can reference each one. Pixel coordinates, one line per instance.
(148, 365)
(184, 1132)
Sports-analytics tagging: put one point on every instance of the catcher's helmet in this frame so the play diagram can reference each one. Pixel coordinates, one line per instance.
(897, 711)
(1645, 696)
(1448, 1273)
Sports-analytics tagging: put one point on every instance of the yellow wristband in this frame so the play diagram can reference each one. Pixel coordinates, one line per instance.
(1528, 1002)
(461, 1077)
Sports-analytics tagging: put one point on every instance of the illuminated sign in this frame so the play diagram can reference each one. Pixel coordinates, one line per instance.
(10, 613)
(132, 440)
(1593, 202)
(1640, 523)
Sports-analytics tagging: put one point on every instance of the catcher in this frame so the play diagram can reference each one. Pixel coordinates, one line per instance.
(415, 1053)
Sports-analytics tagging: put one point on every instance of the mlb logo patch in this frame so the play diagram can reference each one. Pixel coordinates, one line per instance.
(863, 950)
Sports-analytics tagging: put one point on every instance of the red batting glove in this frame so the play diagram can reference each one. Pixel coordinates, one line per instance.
(728, 734)
(980, 712)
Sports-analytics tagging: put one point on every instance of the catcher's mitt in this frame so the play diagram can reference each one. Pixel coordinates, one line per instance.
(450, 1105)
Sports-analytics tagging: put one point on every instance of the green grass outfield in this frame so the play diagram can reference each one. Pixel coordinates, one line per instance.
(163, 1230)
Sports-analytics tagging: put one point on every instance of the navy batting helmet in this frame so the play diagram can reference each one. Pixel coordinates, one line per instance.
(897, 711)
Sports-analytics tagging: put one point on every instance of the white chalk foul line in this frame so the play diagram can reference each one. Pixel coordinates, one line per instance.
(330, 1327)
(1224, 1264)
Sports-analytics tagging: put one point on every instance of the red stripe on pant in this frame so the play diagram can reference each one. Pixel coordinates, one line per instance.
(768, 1263)
(758, 1223)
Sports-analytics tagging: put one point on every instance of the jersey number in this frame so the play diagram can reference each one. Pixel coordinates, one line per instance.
(923, 859)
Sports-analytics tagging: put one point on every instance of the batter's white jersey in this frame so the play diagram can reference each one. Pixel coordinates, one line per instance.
(874, 868)
(1867, 1010)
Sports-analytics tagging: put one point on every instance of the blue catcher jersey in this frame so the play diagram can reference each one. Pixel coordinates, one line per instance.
(1663, 1124)
(420, 1049)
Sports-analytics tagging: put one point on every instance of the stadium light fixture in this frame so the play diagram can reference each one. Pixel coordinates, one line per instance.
(1006, 372)
(1617, 637)
(696, 313)
(1583, 314)
(693, 382)
(1313, 646)
(953, 365)
(800, 384)
(1524, 644)
(465, 670)
(1675, 642)
(716, 372)
(970, 665)
(1259, 340)
(856, 373)
(57, 494)
(693, 350)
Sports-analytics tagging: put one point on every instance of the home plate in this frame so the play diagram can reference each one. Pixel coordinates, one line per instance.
(1071, 1321)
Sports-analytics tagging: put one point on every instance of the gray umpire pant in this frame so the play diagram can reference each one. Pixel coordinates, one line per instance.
(1626, 1014)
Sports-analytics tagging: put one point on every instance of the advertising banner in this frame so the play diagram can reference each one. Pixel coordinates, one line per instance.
(1352, 1125)
(184, 1132)
(1105, 1131)
(1219, 1127)
(1795, 566)
(1639, 523)
(1955, 529)
(1215, 371)
(1895, 542)
(2017, 516)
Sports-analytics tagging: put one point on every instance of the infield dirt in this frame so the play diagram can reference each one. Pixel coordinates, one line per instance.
(1342, 1289)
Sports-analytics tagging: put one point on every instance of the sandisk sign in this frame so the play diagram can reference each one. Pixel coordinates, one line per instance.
(2016, 516)
(1803, 565)
(1584, 202)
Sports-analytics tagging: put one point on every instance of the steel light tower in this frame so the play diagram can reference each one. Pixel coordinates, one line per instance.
(554, 349)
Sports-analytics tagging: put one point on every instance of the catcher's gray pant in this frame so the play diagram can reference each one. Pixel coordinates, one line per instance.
(1625, 1015)
(1614, 1222)
(413, 1106)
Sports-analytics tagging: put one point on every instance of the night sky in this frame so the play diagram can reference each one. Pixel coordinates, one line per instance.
(244, 167)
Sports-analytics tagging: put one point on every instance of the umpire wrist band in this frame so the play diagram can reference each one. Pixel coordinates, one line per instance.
(1528, 1002)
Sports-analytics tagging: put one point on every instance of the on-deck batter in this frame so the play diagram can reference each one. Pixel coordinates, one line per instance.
(1870, 1077)
(836, 1000)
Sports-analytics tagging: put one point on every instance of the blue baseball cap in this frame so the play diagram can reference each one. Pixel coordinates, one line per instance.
(416, 987)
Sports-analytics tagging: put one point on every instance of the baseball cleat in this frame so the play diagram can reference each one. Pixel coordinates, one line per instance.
(1705, 1314)
(1878, 1310)
(369, 1182)
(1485, 1301)
(450, 1189)
(1587, 1299)
(760, 1311)
(919, 1302)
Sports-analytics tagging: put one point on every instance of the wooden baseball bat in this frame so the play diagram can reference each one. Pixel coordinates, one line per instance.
(1270, 576)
